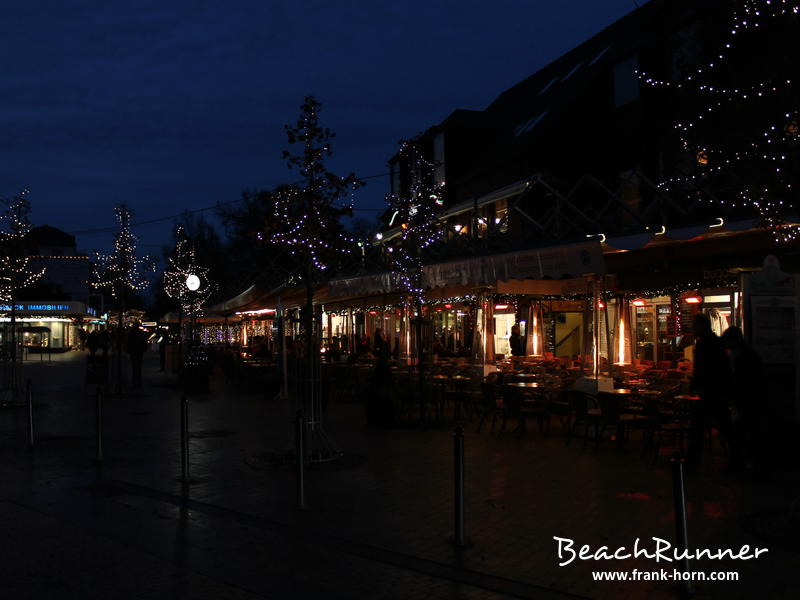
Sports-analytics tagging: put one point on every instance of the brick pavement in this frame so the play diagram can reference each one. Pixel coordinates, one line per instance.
(377, 526)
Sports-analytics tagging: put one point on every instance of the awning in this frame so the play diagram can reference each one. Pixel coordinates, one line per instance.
(637, 241)
(255, 298)
(503, 193)
(367, 285)
(557, 262)
(543, 287)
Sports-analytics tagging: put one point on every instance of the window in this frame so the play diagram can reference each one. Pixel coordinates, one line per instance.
(626, 81)
(572, 71)
(548, 86)
(501, 216)
(686, 51)
(529, 124)
(600, 55)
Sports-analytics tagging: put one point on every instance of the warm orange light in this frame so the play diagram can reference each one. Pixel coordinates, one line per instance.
(638, 303)
(692, 300)
(373, 312)
(621, 347)
(448, 306)
(600, 304)
(404, 225)
(500, 306)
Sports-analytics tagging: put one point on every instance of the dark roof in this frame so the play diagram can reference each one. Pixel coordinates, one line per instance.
(49, 236)
(552, 89)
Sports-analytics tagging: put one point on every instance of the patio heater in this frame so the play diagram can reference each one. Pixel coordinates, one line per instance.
(483, 336)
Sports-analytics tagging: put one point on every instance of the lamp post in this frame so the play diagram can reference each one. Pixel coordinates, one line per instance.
(192, 284)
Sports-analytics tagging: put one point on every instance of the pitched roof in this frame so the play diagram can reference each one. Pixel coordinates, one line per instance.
(49, 236)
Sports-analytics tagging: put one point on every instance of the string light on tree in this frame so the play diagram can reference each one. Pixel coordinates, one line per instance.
(15, 272)
(739, 124)
(122, 273)
(307, 217)
(185, 281)
(122, 270)
(418, 214)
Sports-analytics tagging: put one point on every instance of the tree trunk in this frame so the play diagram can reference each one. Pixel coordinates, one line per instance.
(120, 332)
(420, 365)
(308, 324)
(13, 343)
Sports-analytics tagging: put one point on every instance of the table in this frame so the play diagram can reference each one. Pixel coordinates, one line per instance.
(649, 393)
(527, 384)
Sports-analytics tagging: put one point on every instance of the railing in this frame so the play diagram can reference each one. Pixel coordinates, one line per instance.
(566, 337)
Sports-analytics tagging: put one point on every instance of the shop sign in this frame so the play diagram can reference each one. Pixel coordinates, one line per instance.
(48, 307)
(561, 262)
(770, 294)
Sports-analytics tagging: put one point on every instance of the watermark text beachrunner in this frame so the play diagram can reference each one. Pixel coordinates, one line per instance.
(662, 551)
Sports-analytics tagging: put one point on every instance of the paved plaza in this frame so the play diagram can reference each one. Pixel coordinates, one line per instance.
(378, 524)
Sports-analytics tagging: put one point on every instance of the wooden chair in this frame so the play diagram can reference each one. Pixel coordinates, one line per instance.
(613, 414)
(489, 405)
(583, 412)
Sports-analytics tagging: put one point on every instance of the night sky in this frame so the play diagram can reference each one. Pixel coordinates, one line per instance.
(179, 105)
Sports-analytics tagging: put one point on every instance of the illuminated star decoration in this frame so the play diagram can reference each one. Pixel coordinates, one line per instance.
(740, 141)
(418, 215)
(307, 217)
(122, 269)
(181, 268)
(14, 226)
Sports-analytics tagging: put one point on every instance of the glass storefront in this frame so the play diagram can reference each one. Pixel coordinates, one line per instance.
(49, 333)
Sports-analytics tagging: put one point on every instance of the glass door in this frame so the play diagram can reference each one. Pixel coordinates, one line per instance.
(646, 333)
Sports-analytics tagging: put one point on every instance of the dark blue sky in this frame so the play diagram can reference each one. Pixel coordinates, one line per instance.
(170, 105)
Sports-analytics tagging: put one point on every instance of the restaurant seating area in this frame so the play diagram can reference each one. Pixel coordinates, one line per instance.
(649, 406)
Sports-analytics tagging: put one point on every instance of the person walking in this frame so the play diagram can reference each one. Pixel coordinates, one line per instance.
(750, 408)
(162, 351)
(137, 344)
(93, 341)
(379, 343)
(711, 379)
(515, 341)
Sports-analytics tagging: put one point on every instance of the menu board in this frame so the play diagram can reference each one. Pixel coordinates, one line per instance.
(774, 328)
(550, 333)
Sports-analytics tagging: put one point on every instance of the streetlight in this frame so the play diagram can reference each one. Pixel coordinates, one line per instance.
(192, 284)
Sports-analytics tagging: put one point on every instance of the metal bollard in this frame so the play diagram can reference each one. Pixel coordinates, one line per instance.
(681, 526)
(30, 415)
(99, 426)
(300, 458)
(459, 538)
(184, 439)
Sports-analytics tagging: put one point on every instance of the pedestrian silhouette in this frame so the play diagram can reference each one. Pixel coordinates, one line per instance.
(711, 379)
(93, 342)
(750, 408)
(137, 343)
